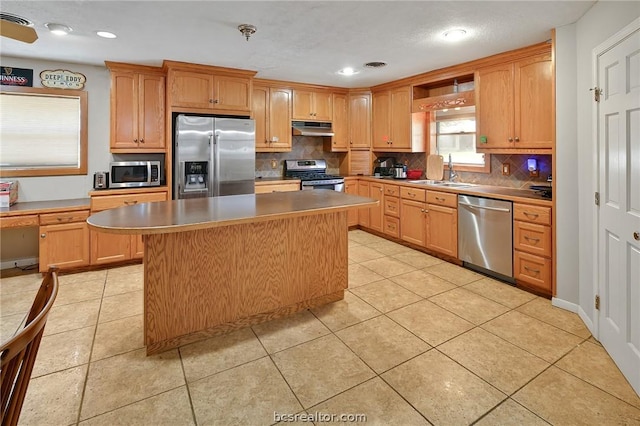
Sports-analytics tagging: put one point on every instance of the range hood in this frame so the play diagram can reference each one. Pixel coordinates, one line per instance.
(311, 128)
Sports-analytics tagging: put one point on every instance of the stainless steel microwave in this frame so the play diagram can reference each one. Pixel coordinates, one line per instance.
(133, 174)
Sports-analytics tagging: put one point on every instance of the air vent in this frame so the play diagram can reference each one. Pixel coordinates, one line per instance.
(15, 19)
(375, 64)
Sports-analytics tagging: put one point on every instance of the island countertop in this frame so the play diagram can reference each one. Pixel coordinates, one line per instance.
(201, 213)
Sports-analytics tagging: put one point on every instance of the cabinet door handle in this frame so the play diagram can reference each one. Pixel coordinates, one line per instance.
(130, 203)
(517, 139)
(537, 271)
(510, 139)
(439, 199)
(135, 140)
(528, 238)
(528, 214)
(636, 236)
(43, 235)
(141, 140)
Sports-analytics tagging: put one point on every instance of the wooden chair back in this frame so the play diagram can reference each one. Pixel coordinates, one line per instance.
(18, 354)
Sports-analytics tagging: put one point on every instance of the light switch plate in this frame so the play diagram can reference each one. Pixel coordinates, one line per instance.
(506, 169)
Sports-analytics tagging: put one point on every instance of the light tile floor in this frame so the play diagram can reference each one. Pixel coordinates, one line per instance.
(415, 341)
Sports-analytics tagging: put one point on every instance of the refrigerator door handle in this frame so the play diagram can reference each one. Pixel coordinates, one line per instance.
(216, 164)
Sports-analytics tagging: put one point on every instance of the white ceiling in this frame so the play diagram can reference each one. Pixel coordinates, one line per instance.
(304, 41)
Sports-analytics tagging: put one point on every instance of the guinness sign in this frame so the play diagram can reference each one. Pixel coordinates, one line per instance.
(10, 76)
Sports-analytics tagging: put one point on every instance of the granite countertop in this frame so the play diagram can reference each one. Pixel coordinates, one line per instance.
(201, 213)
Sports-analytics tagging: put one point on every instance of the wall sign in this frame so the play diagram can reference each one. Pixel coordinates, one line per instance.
(62, 79)
(10, 76)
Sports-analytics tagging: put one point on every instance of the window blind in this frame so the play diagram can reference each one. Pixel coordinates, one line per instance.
(39, 131)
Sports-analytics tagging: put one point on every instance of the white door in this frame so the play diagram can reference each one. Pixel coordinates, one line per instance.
(618, 112)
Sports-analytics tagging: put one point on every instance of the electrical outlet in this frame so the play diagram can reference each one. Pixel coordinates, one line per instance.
(534, 173)
(506, 169)
(274, 164)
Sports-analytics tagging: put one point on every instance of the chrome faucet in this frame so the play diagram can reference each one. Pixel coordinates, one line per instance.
(452, 174)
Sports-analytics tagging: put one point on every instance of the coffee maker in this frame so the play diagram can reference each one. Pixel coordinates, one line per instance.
(384, 166)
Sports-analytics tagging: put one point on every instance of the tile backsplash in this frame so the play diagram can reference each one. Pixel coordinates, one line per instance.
(303, 147)
(519, 177)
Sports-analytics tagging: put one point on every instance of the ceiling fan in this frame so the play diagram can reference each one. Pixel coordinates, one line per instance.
(17, 28)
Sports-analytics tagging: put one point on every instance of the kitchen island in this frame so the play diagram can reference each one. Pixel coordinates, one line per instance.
(212, 265)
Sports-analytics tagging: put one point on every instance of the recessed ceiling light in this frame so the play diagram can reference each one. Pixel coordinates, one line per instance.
(105, 34)
(58, 29)
(348, 71)
(455, 34)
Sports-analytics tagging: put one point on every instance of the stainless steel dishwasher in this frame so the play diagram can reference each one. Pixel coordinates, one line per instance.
(485, 235)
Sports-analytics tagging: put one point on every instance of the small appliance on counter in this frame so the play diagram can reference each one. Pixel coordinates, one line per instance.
(400, 171)
(101, 180)
(383, 166)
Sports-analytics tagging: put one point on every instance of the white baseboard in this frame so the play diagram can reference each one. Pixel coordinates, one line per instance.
(560, 303)
(587, 321)
(8, 264)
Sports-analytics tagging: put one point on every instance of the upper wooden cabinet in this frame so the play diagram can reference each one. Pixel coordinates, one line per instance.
(137, 108)
(394, 127)
(207, 88)
(199, 90)
(272, 115)
(339, 142)
(514, 106)
(359, 120)
(312, 106)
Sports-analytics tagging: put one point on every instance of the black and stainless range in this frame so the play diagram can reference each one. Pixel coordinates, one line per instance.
(312, 174)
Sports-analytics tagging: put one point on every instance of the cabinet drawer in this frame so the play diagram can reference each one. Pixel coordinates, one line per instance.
(442, 199)
(392, 226)
(391, 206)
(19, 221)
(531, 269)
(64, 217)
(533, 214)
(532, 238)
(391, 190)
(412, 194)
(113, 201)
(277, 187)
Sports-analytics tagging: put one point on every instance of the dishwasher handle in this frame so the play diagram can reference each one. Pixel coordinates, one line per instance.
(497, 209)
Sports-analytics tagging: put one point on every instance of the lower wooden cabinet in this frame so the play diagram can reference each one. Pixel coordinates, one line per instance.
(364, 213)
(532, 246)
(413, 221)
(110, 248)
(376, 213)
(442, 226)
(64, 245)
(351, 187)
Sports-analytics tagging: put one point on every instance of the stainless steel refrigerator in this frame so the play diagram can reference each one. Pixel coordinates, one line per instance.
(213, 156)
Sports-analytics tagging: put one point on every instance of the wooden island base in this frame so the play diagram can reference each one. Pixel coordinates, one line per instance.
(210, 281)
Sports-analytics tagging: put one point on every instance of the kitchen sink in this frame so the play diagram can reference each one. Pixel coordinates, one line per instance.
(442, 183)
